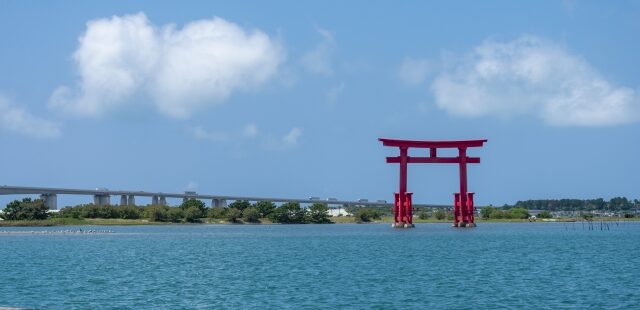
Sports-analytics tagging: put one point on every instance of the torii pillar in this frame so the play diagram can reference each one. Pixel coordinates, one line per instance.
(463, 201)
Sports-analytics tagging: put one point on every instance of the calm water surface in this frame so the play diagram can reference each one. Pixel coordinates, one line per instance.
(498, 265)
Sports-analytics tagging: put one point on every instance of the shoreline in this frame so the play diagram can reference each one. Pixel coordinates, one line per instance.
(338, 220)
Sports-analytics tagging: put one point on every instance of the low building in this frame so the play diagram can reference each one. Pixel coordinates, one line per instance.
(338, 212)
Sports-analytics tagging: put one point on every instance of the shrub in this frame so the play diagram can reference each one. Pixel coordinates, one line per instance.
(423, 215)
(240, 205)
(251, 215)
(194, 203)
(70, 212)
(128, 212)
(156, 213)
(192, 214)
(486, 212)
(26, 209)
(440, 215)
(318, 214)
(497, 214)
(289, 213)
(545, 215)
(366, 215)
(217, 213)
(265, 208)
(518, 213)
(175, 215)
(232, 215)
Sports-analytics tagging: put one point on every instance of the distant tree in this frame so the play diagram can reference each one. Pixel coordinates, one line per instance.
(192, 214)
(240, 205)
(616, 204)
(288, 213)
(440, 214)
(175, 215)
(194, 203)
(128, 212)
(26, 209)
(318, 213)
(217, 213)
(350, 209)
(251, 215)
(498, 214)
(90, 211)
(423, 215)
(156, 213)
(485, 212)
(545, 215)
(72, 212)
(367, 215)
(517, 213)
(265, 208)
(232, 215)
(12, 209)
(620, 204)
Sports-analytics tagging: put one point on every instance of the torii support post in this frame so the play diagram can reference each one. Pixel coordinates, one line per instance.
(463, 201)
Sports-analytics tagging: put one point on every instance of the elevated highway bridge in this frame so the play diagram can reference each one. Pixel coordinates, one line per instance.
(102, 196)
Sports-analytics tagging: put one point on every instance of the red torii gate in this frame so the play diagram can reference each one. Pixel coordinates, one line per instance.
(463, 201)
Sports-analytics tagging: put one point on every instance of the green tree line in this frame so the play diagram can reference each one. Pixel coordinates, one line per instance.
(614, 204)
(190, 211)
(496, 213)
(26, 209)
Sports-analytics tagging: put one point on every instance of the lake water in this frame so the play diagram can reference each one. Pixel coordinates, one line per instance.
(342, 266)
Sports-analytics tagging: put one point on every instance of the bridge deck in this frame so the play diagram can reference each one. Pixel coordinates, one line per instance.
(22, 190)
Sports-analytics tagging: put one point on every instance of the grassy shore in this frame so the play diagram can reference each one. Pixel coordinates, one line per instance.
(337, 220)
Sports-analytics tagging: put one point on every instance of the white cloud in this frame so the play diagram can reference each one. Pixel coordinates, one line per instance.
(414, 71)
(250, 130)
(115, 57)
(334, 92)
(292, 137)
(202, 134)
(531, 75)
(318, 60)
(18, 120)
(207, 60)
(181, 69)
(286, 142)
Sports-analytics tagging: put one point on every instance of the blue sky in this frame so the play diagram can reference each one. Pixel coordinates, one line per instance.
(288, 98)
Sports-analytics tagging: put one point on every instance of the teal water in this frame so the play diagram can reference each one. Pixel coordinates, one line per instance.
(497, 265)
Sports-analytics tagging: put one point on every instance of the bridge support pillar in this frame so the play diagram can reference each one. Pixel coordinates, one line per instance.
(218, 203)
(163, 201)
(50, 200)
(101, 200)
(154, 200)
(123, 200)
(131, 201)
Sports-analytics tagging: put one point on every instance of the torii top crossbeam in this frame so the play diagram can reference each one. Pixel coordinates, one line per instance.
(432, 144)
(463, 201)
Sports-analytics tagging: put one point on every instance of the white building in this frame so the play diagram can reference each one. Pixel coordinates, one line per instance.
(338, 212)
